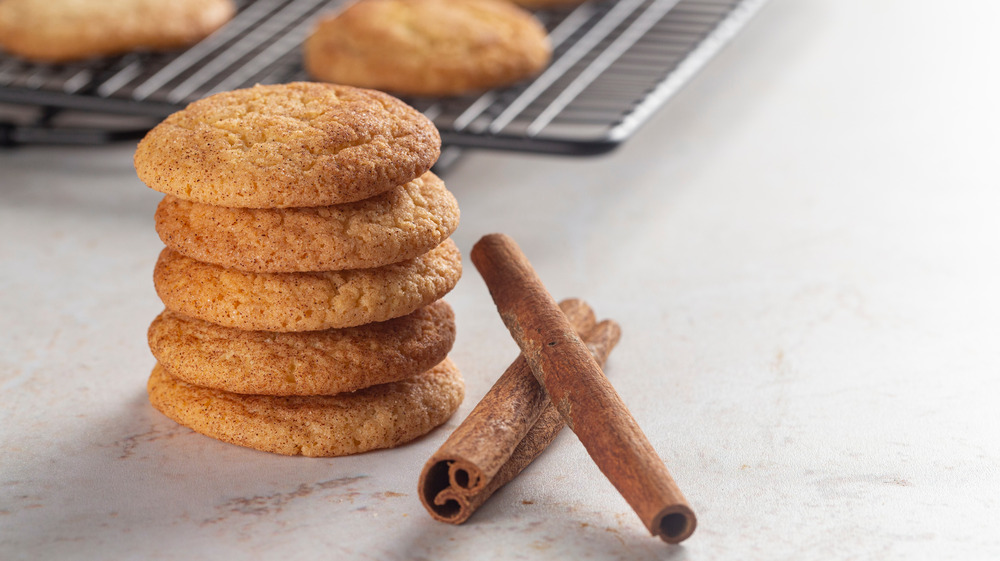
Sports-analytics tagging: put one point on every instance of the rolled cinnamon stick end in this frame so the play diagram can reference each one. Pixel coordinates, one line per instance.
(504, 433)
(581, 393)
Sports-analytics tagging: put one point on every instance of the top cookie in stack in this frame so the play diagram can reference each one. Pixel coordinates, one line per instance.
(293, 145)
(306, 209)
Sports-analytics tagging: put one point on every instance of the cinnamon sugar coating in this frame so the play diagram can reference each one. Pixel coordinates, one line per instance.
(287, 145)
(64, 30)
(306, 363)
(381, 416)
(397, 225)
(427, 47)
(542, 4)
(304, 301)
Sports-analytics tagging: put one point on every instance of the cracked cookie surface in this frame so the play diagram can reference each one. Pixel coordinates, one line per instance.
(306, 363)
(397, 225)
(287, 145)
(304, 301)
(381, 416)
(64, 30)
(427, 47)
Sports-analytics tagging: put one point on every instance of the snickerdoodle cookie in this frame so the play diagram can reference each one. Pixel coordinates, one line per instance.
(62, 30)
(287, 145)
(540, 4)
(397, 225)
(305, 363)
(377, 417)
(428, 47)
(304, 301)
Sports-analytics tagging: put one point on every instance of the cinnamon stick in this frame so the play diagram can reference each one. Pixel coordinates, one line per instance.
(504, 433)
(577, 387)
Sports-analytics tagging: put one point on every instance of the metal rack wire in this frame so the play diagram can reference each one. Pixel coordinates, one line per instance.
(614, 63)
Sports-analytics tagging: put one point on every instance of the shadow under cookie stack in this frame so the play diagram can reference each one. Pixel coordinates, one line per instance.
(307, 252)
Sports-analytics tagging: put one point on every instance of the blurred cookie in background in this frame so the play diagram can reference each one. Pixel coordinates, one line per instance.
(539, 4)
(64, 30)
(428, 47)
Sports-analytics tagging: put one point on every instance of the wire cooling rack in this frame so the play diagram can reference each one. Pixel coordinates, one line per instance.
(614, 63)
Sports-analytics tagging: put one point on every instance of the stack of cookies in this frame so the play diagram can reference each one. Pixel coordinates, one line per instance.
(307, 252)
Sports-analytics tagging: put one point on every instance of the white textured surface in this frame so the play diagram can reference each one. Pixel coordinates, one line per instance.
(802, 250)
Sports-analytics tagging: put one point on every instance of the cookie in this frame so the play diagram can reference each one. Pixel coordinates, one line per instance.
(395, 226)
(542, 4)
(306, 363)
(377, 417)
(63, 30)
(304, 301)
(427, 47)
(287, 145)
